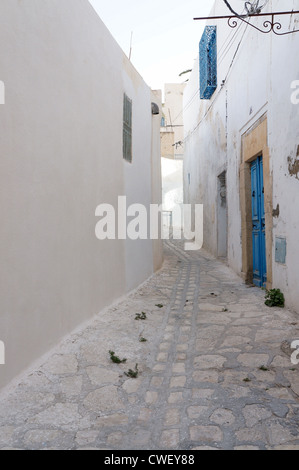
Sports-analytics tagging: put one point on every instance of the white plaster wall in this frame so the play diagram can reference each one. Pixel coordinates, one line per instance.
(61, 156)
(258, 81)
(283, 142)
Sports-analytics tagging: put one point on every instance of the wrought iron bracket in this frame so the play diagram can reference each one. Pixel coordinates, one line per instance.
(269, 25)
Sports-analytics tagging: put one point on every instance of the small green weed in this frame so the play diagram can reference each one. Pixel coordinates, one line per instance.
(116, 359)
(133, 374)
(141, 316)
(142, 340)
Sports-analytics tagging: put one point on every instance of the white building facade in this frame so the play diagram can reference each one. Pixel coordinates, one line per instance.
(61, 156)
(242, 148)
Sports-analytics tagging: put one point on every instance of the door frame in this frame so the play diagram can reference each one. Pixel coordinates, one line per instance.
(254, 144)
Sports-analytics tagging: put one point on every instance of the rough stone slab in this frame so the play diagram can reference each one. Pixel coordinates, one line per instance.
(253, 360)
(170, 439)
(101, 376)
(151, 398)
(116, 438)
(205, 345)
(249, 435)
(132, 385)
(195, 412)
(293, 377)
(178, 382)
(206, 376)
(269, 335)
(112, 420)
(172, 417)
(209, 362)
(6, 433)
(103, 400)
(235, 341)
(71, 386)
(205, 307)
(175, 397)
(157, 382)
(179, 368)
(62, 364)
(278, 434)
(207, 434)
(223, 417)
(40, 438)
(58, 415)
(85, 438)
(255, 414)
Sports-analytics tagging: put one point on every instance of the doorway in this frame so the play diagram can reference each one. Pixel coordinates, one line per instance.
(222, 217)
(257, 209)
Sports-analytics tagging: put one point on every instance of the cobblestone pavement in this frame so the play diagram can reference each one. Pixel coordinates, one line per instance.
(212, 373)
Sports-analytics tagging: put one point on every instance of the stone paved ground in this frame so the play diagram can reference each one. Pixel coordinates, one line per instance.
(212, 371)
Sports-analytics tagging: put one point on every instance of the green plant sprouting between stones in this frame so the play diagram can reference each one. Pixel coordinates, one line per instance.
(116, 359)
(141, 316)
(133, 374)
(275, 298)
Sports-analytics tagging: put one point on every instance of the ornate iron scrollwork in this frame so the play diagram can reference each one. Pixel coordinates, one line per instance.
(269, 25)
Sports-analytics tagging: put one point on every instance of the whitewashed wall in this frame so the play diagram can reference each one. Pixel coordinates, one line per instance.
(60, 157)
(258, 81)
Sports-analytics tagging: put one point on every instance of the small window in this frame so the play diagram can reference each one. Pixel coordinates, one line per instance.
(208, 62)
(127, 129)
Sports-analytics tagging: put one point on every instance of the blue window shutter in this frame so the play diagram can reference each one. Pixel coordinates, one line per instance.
(208, 62)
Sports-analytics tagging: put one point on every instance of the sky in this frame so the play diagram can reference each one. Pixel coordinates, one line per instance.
(165, 36)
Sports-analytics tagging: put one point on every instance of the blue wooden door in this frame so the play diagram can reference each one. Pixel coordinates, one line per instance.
(258, 223)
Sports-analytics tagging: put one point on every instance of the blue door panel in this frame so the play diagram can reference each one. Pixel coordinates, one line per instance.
(258, 223)
(254, 191)
(256, 256)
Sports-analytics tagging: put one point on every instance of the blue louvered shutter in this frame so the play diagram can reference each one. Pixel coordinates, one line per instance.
(208, 62)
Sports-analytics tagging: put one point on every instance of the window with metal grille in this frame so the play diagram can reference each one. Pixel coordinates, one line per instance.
(208, 62)
(127, 129)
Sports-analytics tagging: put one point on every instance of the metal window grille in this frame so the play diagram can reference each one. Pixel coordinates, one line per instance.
(127, 129)
(208, 62)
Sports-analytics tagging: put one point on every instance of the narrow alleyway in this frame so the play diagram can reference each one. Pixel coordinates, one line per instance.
(212, 373)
